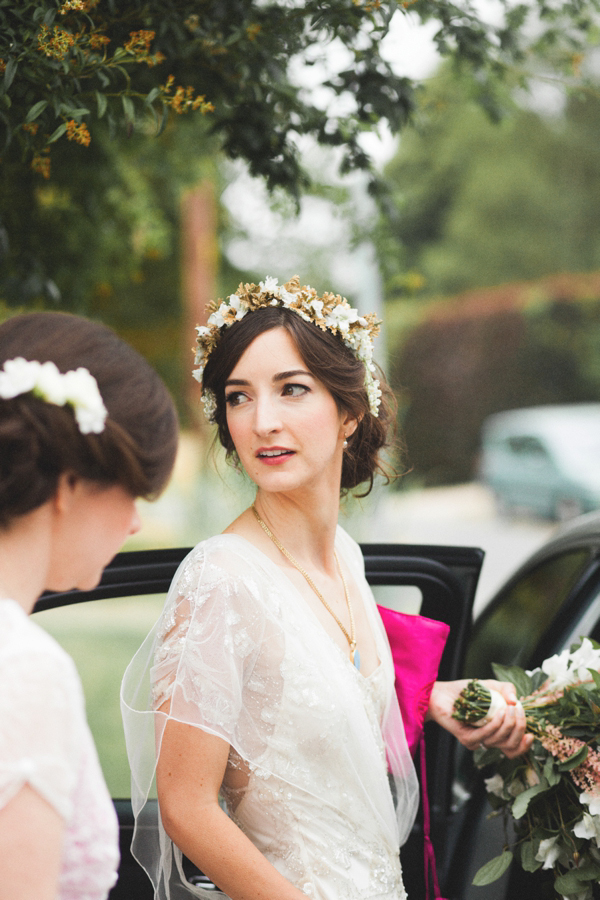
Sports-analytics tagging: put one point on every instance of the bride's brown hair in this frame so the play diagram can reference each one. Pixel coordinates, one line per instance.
(335, 366)
(39, 440)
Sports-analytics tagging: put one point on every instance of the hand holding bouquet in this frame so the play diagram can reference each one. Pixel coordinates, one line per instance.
(553, 791)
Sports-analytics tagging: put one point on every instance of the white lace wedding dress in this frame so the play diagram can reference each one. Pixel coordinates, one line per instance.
(45, 742)
(241, 655)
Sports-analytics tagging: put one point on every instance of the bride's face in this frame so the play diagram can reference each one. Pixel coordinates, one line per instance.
(284, 422)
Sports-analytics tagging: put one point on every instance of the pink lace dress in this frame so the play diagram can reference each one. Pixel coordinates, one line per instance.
(45, 742)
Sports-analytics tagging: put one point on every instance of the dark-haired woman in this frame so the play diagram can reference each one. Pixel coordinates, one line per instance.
(270, 676)
(86, 426)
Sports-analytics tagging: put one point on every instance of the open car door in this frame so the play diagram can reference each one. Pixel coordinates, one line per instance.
(435, 581)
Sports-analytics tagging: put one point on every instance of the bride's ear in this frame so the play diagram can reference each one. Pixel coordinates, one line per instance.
(64, 495)
(349, 424)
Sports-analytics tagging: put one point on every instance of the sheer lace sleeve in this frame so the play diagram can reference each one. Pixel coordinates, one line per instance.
(39, 740)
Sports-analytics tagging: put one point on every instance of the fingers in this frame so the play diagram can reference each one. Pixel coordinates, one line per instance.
(506, 731)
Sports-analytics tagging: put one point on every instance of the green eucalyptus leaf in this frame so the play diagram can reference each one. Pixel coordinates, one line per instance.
(516, 675)
(494, 869)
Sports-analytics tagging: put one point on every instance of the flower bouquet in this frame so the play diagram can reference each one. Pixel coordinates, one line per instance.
(553, 791)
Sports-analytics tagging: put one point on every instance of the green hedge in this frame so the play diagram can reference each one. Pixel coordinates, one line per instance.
(461, 359)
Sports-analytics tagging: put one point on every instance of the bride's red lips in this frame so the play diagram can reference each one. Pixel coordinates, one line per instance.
(273, 455)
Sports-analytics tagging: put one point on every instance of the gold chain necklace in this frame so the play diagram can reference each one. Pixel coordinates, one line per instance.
(350, 636)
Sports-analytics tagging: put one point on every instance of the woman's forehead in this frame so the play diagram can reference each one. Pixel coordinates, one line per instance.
(273, 350)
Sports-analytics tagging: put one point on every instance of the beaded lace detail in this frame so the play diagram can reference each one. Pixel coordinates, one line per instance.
(240, 654)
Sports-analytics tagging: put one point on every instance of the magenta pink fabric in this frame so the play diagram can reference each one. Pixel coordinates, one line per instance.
(417, 644)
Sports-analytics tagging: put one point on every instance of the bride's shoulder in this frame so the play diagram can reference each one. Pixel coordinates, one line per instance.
(221, 556)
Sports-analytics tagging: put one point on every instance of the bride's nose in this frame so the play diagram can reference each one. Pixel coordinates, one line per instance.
(266, 416)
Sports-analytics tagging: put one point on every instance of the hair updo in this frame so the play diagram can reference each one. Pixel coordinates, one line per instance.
(334, 365)
(39, 441)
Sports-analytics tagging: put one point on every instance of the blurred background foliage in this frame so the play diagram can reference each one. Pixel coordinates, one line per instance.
(486, 186)
(472, 204)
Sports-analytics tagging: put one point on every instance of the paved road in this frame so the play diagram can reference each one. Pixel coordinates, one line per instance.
(463, 515)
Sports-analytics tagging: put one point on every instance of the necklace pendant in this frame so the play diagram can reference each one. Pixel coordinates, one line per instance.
(356, 659)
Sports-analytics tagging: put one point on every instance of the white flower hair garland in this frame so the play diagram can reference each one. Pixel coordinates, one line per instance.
(331, 312)
(77, 388)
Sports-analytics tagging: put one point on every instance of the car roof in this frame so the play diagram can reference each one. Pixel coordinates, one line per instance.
(548, 419)
(582, 532)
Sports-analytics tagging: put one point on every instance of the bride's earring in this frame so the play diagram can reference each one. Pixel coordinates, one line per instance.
(345, 444)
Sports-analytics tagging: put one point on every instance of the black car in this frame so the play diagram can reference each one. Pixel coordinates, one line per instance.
(552, 600)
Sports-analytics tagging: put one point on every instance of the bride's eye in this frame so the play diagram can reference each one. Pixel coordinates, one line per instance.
(235, 398)
(295, 390)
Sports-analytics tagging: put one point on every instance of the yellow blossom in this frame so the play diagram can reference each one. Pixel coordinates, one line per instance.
(56, 43)
(78, 133)
(41, 164)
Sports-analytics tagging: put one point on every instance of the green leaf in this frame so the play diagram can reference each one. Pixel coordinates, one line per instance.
(573, 761)
(79, 111)
(550, 773)
(522, 801)
(596, 676)
(569, 883)
(35, 110)
(128, 108)
(9, 73)
(528, 860)
(152, 96)
(58, 133)
(102, 103)
(494, 869)
(516, 675)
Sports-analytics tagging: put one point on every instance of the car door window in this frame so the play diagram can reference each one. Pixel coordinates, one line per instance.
(101, 637)
(511, 629)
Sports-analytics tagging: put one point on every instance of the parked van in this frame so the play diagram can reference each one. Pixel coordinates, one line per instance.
(545, 459)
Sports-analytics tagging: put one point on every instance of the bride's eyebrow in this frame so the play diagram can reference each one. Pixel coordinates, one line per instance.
(283, 376)
(280, 376)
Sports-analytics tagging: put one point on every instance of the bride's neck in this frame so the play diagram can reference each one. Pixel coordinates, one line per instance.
(306, 530)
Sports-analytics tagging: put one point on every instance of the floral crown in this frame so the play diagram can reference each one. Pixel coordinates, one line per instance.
(77, 388)
(331, 312)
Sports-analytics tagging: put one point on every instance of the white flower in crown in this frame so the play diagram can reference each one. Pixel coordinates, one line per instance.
(18, 377)
(81, 392)
(269, 285)
(341, 317)
(209, 402)
(51, 384)
(77, 388)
